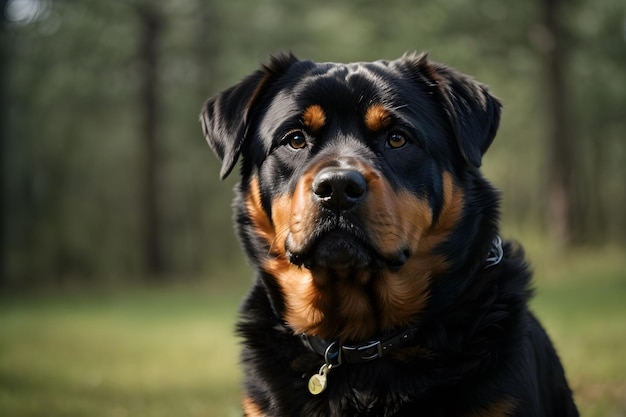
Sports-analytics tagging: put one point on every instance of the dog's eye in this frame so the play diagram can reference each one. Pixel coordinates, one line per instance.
(295, 139)
(396, 140)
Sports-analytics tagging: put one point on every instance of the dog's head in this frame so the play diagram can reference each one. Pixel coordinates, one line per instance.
(360, 185)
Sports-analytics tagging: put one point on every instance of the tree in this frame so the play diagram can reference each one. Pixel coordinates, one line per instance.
(560, 142)
(4, 57)
(151, 24)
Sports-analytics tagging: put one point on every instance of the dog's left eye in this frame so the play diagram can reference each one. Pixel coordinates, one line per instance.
(396, 140)
(295, 139)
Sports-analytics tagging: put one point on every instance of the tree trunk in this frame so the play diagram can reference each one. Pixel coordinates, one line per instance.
(560, 143)
(4, 63)
(151, 24)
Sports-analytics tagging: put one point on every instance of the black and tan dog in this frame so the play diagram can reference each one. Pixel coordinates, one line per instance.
(382, 288)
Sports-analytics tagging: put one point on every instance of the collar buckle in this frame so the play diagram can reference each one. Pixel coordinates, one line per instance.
(364, 353)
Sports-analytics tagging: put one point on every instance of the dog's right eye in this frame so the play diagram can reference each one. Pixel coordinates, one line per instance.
(295, 139)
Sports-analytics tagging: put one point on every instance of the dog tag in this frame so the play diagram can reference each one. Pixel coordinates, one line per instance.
(317, 382)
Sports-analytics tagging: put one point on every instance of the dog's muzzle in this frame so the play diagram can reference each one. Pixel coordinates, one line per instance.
(339, 240)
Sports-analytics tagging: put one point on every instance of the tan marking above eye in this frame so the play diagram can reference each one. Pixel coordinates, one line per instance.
(377, 118)
(314, 118)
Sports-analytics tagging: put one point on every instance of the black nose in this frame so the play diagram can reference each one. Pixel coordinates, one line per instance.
(339, 189)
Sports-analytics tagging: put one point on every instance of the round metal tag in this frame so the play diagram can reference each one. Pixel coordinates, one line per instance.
(317, 384)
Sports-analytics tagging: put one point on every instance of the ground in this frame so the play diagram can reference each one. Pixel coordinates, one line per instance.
(171, 350)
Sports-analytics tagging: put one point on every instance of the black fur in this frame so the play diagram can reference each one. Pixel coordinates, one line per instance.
(477, 349)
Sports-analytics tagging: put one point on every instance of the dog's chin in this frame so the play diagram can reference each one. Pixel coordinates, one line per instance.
(341, 252)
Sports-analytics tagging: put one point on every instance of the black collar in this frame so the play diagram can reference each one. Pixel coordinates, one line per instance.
(335, 353)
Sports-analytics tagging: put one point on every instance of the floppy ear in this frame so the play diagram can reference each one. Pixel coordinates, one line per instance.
(473, 112)
(225, 117)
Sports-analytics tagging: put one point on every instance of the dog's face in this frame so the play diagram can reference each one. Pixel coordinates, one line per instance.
(352, 183)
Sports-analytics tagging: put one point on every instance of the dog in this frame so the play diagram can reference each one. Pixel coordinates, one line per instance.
(382, 285)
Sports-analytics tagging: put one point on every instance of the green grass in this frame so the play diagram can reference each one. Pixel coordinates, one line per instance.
(141, 353)
(581, 301)
(171, 351)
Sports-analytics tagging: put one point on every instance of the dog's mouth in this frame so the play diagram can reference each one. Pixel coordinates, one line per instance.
(344, 250)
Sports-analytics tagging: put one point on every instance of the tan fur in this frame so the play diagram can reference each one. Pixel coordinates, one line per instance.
(314, 118)
(377, 118)
(250, 408)
(356, 304)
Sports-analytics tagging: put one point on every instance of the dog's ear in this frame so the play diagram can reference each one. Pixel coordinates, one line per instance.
(225, 117)
(473, 112)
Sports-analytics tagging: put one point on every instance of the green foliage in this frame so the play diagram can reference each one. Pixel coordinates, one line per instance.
(72, 149)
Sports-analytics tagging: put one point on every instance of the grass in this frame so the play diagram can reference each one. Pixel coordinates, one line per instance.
(171, 351)
(582, 304)
(140, 353)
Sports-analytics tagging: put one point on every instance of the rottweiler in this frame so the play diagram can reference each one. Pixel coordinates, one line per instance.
(382, 285)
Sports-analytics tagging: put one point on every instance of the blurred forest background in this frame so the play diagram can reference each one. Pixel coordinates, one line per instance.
(107, 186)
(105, 174)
